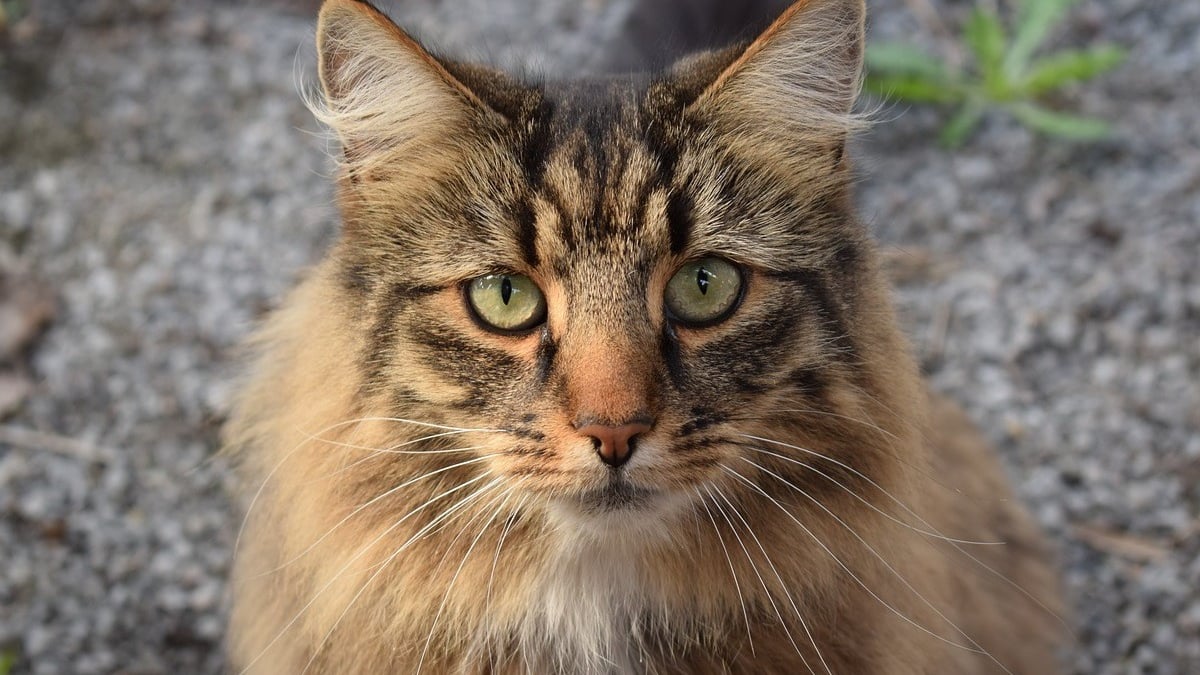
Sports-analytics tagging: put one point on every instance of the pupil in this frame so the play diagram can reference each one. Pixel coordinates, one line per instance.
(702, 276)
(506, 290)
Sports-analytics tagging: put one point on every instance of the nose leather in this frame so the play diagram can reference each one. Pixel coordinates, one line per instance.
(614, 443)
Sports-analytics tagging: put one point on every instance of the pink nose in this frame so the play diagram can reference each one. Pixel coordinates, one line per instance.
(614, 444)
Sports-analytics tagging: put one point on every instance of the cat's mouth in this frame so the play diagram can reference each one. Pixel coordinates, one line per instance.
(617, 495)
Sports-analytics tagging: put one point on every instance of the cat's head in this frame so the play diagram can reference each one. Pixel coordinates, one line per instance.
(630, 282)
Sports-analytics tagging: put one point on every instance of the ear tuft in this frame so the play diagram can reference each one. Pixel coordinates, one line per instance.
(800, 78)
(388, 99)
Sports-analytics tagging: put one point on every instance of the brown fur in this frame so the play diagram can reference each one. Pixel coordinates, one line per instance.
(419, 497)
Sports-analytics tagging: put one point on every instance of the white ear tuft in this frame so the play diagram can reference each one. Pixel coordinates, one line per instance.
(390, 102)
(800, 78)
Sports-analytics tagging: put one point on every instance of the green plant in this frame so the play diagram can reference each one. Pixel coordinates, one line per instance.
(8, 659)
(10, 12)
(1004, 73)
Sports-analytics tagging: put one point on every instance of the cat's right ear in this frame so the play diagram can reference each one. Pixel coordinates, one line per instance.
(792, 90)
(393, 105)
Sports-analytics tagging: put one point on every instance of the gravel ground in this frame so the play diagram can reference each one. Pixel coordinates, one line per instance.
(160, 184)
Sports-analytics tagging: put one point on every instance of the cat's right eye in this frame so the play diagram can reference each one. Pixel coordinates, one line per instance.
(704, 292)
(507, 302)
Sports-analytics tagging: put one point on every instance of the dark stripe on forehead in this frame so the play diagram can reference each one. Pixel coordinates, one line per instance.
(537, 146)
(664, 149)
(596, 227)
(526, 221)
(558, 202)
(538, 143)
(679, 219)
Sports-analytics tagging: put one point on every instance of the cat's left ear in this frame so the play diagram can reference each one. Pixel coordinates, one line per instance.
(796, 84)
(395, 107)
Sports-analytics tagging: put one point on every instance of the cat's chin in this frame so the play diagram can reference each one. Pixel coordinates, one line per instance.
(619, 496)
(620, 509)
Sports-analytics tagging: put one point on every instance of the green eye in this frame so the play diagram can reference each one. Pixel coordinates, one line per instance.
(508, 302)
(704, 291)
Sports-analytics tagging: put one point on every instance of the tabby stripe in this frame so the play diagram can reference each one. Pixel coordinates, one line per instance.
(534, 472)
(531, 434)
(535, 153)
(827, 308)
(482, 370)
(669, 344)
(595, 228)
(701, 443)
(547, 350)
(523, 451)
(809, 381)
(664, 149)
(526, 219)
(356, 278)
(538, 143)
(679, 219)
(699, 422)
(566, 231)
(383, 332)
(752, 348)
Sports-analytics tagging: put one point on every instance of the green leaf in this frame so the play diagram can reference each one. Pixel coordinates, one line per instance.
(892, 57)
(8, 659)
(1072, 66)
(984, 34)
(961, 125)
(1035, 20)
(914, 88)
(1060, 125)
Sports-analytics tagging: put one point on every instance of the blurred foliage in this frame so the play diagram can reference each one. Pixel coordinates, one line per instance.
(1005, 73)
(11, 11)
(8, 659)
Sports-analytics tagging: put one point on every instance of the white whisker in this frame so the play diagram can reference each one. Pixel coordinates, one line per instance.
(881, 559)
(387, 561)
(317, 436)
(732, 572)
(1063, 622)
(763, 582)
(361, 551)
(449, 587)
(779, 577)
(366, 505)
(847, 569)
(885, 514)
(827, 413)
(496, 558)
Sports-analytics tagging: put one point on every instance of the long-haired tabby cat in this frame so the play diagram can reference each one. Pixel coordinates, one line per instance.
(602, 377)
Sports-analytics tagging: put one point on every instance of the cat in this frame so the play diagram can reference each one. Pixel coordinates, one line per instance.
(603, 377)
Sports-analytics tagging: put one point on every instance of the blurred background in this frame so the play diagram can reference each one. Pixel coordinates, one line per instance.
(162, 186)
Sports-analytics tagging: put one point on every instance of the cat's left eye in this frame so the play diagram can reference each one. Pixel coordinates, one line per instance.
(507, 302)
(704, 292)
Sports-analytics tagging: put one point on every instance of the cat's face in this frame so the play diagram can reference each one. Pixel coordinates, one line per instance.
(620, 281)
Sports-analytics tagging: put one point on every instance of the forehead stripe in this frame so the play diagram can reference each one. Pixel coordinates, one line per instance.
(679, 220)
(525, 217)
